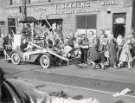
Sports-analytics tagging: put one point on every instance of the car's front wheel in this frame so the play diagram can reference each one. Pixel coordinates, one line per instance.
(15, 58)
(45, 61)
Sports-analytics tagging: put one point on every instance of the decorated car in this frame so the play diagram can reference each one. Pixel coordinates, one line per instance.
(25, 48)
(27, 51)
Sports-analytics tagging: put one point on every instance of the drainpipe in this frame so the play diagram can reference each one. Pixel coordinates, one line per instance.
(133, 14)
(25, 9)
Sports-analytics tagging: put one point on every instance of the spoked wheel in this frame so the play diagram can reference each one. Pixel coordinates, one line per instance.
(15, 58)
(45, 61)
(92, 64)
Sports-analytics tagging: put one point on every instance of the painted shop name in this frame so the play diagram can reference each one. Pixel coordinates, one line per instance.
(73, 5)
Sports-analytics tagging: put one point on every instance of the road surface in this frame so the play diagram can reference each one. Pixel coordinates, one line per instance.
(82, 82)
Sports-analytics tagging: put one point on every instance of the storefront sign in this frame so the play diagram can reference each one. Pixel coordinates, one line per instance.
(108, 2)
(120, 20)
(72, 7)
(64, 8)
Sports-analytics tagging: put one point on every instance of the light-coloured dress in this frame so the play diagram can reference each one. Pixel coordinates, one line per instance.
(125, 54)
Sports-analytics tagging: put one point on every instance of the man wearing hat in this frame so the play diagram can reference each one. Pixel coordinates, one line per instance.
(84, 48)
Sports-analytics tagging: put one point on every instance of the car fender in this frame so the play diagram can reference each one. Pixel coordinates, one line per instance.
(35, 57)
(18, 52)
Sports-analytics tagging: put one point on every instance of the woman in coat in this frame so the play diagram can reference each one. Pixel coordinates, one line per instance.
(112, 48)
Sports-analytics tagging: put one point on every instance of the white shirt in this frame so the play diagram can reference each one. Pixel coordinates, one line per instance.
(119, 40)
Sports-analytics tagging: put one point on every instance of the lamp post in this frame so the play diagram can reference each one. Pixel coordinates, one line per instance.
(25, 9)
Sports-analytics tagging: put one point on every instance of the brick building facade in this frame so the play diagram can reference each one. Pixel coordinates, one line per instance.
(76, 15)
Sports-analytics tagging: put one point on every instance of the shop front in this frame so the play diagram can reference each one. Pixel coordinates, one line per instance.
(85, 16)
(119, 22)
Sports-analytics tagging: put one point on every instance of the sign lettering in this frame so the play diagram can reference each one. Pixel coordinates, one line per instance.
(73, 7)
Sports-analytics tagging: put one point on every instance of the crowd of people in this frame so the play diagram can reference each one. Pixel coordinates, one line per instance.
(104, 48)
(108, 50)
(101, 48)
(96, 48)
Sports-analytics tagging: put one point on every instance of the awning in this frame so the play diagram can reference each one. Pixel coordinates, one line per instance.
(28, 19)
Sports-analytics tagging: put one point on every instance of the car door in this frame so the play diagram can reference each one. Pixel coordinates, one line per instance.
(8, 94)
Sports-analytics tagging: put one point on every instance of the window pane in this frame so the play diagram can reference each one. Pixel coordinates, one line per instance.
(81, 22)
(91, 21)
(11, 22)
(11, 25)
(86, 21)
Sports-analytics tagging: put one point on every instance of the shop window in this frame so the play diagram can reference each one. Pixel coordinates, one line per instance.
(81, 22)
(11, 25)
(86, 21)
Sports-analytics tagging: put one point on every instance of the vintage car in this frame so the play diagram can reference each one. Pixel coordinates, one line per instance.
(44, 56)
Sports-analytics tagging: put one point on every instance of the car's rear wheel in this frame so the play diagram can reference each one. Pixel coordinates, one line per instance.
(45, 61)
(15, 58)
(92, 64)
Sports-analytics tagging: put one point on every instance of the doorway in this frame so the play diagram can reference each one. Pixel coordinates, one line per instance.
(119, 23)
(118, 29)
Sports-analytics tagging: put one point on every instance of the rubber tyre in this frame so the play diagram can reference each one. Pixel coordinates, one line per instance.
(15, 58)
(45, 61)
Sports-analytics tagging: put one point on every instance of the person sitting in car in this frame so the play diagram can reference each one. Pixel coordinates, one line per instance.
(24, 45)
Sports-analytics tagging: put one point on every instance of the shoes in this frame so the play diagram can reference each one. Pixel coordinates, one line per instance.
(102, 66)
(120, 64)
(114, 66)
